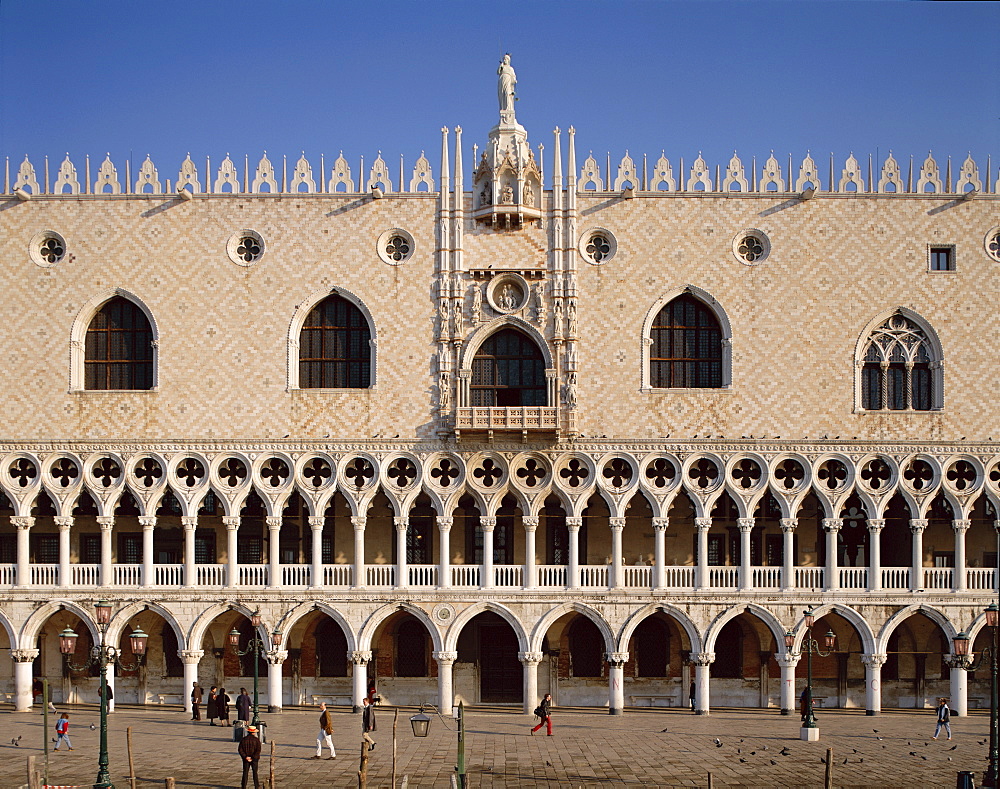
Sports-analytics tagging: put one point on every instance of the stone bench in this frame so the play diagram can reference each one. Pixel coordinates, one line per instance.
(978, 702)
(653, 699)
(170, 698)
(333, 699)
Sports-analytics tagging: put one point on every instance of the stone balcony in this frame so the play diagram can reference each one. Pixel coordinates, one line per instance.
(533, 420)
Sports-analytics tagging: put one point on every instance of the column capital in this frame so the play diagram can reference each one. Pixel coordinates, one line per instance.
(660, 524)
(616, 659)
(189, 521)
(65, 522)
(788, 659)
(316, 522)
(444, 522)
(703, 658)
(358, 522)
(703, 524)
(231, 522)
(360, 657)
(277, 656)
(191, 656)
(147, 521)
(22, 521)
(874, 661)
(530, 658)
(273, 522)
(401, 522)
(616, 524)
(530, 522)
(23, 655)
(445, 658)
(788, 524)
(833, 524)
(876, 524)
(744, 524)
(917, 525)
(487, 524)
(106, 522)
(574, 522)
(961, 524)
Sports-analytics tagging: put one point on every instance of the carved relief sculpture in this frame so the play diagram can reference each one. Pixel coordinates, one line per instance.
(476, 314)
(540, 303)
(507, 196)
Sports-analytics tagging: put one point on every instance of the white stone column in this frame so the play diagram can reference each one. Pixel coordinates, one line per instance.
(787, 663)
(616, 579)
(109, 680)
(107, 523)
(23, 524)
(316, 527)
(529, 663)
(232, 524)
(148, 523)
(64, 524)
(832, 527)
(701, 572)
(660, 553)
(530, 523)
(702, 700)
(745, 525)
(958, 578)
(191, 658)
(273, 551)
(446, 696)
(360, 577)
(616, 681)
(275, 659)
(402, 523)
(359, 678)
(875, 526)
(444, 524)
(487, 525)
(959, 688)
(23, 659)
(917, 527)
(873, 683)
(573, 525)
(788, 553)
(189, 523)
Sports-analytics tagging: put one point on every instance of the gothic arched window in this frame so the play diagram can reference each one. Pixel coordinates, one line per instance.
(119, 348)
(335, 347)
(508, 370)
(898, 368)
(686, 346)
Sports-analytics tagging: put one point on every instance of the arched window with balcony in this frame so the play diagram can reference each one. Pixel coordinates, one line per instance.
(899, 366)
(508, 370)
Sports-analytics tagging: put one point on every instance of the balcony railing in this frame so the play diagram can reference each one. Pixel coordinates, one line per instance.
(504, 576)
(530, 418)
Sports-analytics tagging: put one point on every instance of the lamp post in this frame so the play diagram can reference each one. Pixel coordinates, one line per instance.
(103, 655)
(964, 660)
(810, 731)
(421, 724)
(256, 647)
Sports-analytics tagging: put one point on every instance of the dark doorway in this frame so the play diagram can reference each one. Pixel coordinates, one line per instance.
(490, 642)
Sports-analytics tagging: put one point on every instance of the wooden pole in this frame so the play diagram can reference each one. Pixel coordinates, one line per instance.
(829, 769)
(710, 784)
(33, 777)
(395, 720)
(168, 783)
(131, 764)
(270, 769)
(363, 769)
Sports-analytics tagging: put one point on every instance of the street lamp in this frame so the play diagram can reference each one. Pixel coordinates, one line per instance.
(421, 724)
(810, 731)
(964, 660)
(256, 647)
(103, 655)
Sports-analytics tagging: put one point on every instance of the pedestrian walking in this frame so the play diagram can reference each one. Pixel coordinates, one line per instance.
(243, 705)
(222, 707)
(367, 723)
(249, 751)
(62, 732)
(805, 702)
(196, 696)
(325, 733)
(212, 705)
(691, 695)
(943, 718)
(544, 711)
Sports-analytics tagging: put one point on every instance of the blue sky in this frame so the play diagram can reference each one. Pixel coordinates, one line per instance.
(218, 76)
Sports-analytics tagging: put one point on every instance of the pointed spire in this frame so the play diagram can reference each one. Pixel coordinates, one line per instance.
(445, 171)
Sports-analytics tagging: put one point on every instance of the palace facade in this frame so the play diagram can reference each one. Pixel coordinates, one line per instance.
(514, 426)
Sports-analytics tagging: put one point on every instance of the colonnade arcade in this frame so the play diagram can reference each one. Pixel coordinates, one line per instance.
(623, 656)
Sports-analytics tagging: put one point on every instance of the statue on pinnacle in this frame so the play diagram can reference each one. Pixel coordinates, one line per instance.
(505, 89)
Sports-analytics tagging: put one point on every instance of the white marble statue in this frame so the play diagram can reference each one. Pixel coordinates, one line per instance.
(505, 86)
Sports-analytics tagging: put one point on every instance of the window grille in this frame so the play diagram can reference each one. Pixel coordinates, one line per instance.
(119, 348)
(686, 347)
(335, 347)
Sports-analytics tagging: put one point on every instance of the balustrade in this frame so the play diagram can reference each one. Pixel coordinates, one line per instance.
(88, 574)
(508, 575)
(44, 575)
(465, 575)
(253, 574)
(679, 577)
(380, 574)
(338, 575)
(809, 577)
(7, 574)
(981, 579)
(423, 574)
(937, 577)
(895, 577)
(723, 577)
(210, 574)
(853, 577)
(594, 575)
(296, 574)
(127, 574)
(638, 577)
(766, 577)
(551, 575)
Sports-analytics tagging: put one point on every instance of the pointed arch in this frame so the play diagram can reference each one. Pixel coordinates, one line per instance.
(78, 336)
(302, 312)
(300, 612)
(478, 336)
(8, 628)
(520, 346)
(369, 628)
(716, 311)
(122, 617)
(204, 621)
(34, 623)
(638, 616)
(860, 624)
(884, 354)
(474, 610)
(763, 614)
(549, 618)
(893, 622)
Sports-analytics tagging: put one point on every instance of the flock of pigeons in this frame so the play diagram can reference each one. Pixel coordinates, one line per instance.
(16, 741)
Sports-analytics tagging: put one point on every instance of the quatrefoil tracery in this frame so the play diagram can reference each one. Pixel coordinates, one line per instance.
(661, 472)
(147, 471)
(190, 471)
(64, 471)
(445, 472)
(22, 471)
(317, 471)
(918, 474)
(106, 471)
(789, 473)
(531, 473)
(232, 472)
(962, 475)
(359, 471)
(402, 472)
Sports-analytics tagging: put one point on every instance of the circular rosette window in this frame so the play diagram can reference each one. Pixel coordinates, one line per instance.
(104, 472)
(63, 472)
(747, 474)
(395, 246)
(245, 247)
(445, 472)
(617, 473)
(877, 475)
(315, 472)
(833, 475)
(703, 474)
(920, 475)
(964, 476)
(790, 474)
(507, 293)
(401, 473)
(598, 246)
(146, 472)
(358, 472)
(751, 247)
(47, 248)
(576, 472)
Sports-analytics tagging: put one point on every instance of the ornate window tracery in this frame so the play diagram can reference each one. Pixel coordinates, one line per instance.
(119, 348)
(686, 346)
(898, 368)
(508, 370)
(335, 347)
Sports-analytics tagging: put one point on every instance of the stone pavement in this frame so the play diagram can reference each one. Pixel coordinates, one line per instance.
(652, 748)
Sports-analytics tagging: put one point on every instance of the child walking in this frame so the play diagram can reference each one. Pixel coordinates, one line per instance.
(62, 732)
